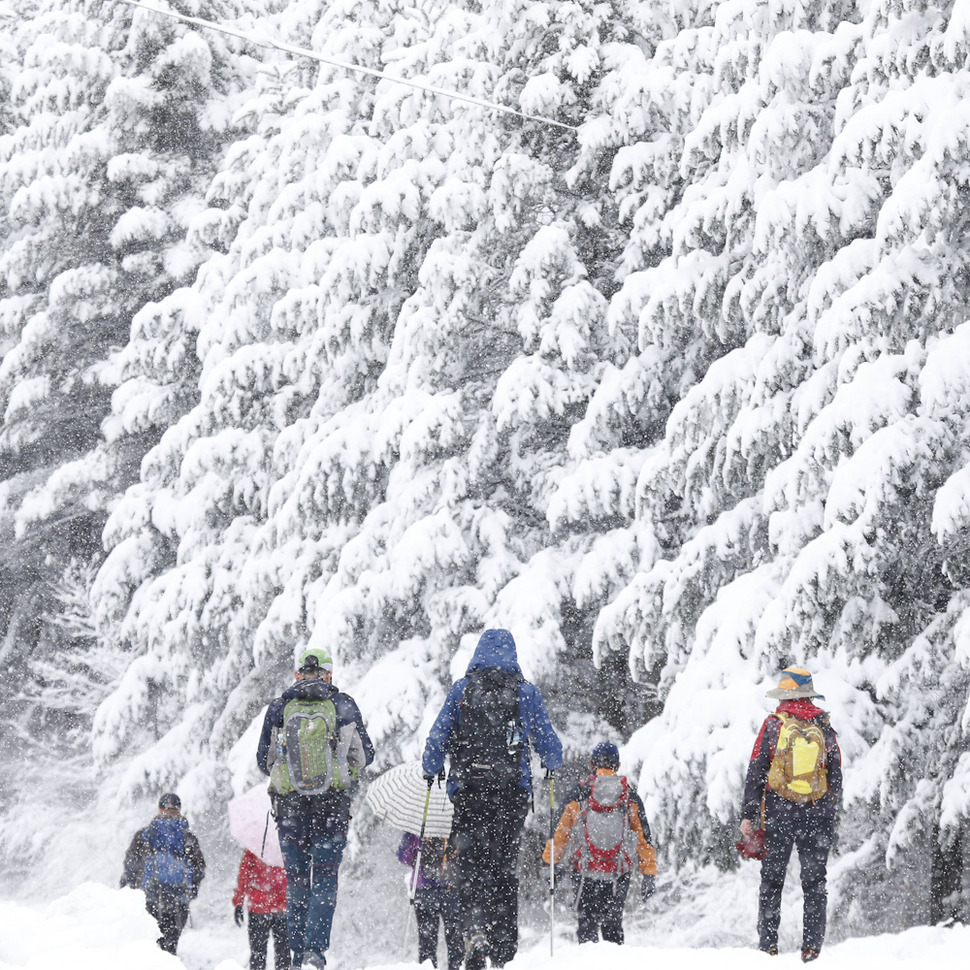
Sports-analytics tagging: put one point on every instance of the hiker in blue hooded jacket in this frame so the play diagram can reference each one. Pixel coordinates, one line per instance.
(313, 827)
(490, 719)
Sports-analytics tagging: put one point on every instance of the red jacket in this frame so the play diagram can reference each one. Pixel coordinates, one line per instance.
(264, 885)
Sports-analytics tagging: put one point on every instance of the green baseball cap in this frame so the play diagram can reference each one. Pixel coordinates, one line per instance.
(315, 659)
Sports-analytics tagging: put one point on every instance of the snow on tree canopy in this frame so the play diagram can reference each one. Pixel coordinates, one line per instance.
(678, 398)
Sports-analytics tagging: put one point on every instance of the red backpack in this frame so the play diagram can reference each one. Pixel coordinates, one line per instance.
(606, 846)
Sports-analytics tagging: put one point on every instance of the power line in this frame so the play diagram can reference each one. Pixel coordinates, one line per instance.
(269, 42)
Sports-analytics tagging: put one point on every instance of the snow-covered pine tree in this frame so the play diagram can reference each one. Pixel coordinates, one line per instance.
(47, 732)
(806, 494)
(702, 362)
(107, 141)
(404, 327)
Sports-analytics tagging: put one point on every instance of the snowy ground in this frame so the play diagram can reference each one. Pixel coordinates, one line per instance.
(98, 928)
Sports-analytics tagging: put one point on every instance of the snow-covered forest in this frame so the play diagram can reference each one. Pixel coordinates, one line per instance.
(677, 390)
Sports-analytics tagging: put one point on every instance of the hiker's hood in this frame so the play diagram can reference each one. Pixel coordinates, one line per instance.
(309, 689)
(162, 832)
(496, 648)
(167, 822)
(801, 708)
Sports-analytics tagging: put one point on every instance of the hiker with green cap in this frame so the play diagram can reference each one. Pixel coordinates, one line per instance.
(313, 746)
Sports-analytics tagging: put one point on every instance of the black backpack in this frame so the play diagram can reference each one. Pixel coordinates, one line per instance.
(486, 747)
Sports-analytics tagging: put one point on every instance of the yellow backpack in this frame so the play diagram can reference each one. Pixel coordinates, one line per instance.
(797, 771)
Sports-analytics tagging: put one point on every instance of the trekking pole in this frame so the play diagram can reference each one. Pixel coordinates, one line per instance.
(552, 865)
(417, 856)
(412, 888)
(262, 850)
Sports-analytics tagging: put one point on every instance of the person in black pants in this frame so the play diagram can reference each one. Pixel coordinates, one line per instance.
(490, 718)
(435, 897)
(165, 860)
(263, 887)
(260, 927)
(599, 908)
(603, 836)
(794, 786)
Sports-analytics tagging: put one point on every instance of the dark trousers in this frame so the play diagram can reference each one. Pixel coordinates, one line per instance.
(170, 909)
(434, 905)
(487, 829)
(260, 927)
(599, 907)
(811, 834)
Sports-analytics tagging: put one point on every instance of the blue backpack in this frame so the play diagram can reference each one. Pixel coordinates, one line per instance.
(167, 865)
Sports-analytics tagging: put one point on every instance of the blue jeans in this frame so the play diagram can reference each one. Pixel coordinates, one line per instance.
(311, 891)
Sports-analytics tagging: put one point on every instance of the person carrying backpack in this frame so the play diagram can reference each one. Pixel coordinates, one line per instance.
(313, 746)
(264, 888)
(165, 860)
(490, 718)
(604, 835)
(794, 790)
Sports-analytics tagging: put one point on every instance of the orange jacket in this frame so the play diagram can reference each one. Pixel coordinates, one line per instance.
(646, 856)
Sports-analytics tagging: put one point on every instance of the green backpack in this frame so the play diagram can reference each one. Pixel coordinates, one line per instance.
(306, 760)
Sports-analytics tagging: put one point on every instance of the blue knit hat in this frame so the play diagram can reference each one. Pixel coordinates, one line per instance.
(605, 755)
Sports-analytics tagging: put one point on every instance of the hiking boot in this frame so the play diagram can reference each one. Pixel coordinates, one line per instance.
(476, 949)
(809, 954)
(772, 951)
(314, 961)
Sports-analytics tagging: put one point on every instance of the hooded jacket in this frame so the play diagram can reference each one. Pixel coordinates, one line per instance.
(496, 650)
(756, 783)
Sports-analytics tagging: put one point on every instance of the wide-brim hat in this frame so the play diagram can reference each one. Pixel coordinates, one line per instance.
(795, 682)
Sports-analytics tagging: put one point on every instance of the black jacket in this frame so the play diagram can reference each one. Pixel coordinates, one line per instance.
(755, 786)
(139, 852)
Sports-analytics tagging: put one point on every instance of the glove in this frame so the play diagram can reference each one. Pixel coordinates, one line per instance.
(648, 886)
(428, 779)
(237, 915)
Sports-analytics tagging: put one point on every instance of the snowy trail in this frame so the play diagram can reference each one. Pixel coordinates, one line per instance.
(98, 928)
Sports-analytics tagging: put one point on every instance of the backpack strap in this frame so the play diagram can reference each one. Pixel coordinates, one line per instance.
(780, 717)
